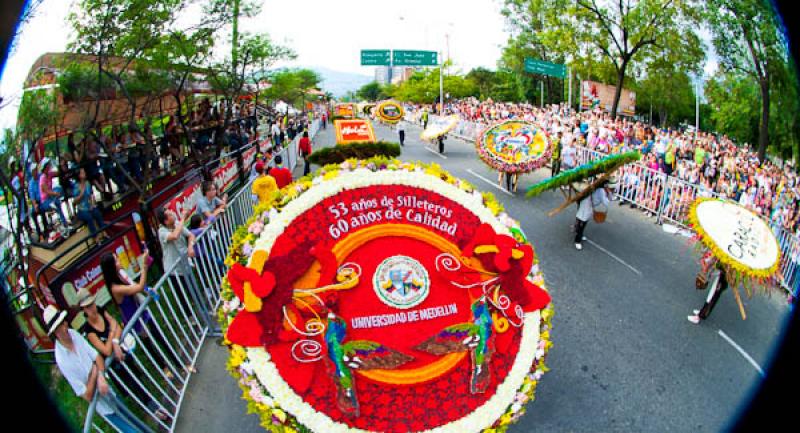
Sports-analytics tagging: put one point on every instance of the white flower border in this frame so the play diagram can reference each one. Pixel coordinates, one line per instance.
(282, 395)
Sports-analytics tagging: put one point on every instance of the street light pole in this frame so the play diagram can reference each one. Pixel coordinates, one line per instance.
(696, 109)
(441, 89)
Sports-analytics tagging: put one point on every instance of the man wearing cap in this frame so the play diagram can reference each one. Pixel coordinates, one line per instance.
(83, 368)
(50, 197)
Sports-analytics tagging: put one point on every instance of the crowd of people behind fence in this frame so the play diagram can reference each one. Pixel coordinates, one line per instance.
(709, 162)
(108, 160)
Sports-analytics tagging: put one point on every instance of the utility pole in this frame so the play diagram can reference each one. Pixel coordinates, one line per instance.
(569, 92)
(441, 87)
(541, 93)
(696, 109)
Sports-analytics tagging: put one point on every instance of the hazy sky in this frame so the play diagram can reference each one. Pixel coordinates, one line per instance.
(323, 33)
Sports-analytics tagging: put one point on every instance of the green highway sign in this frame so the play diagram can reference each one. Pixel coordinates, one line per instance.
(414, 58)
(375, 57)
(545, 68)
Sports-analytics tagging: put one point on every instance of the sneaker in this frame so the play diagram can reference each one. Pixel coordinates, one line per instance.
(584, 238)
(578, 246)
(696, 312)
(694, 319)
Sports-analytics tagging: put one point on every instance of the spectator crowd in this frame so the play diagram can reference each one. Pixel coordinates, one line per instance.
(713, 164)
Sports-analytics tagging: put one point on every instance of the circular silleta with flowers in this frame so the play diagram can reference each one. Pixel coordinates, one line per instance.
(513, 146)
(383, 296)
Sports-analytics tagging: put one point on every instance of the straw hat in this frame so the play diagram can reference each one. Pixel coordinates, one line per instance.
(85, 298)
(53, 318)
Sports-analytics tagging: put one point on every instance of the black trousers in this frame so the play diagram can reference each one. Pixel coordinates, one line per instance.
(556, 167)
(580, 226)
(441, 145)
(711, 301)
(402, 137)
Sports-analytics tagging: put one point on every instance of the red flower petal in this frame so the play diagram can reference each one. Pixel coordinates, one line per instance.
(245, 330)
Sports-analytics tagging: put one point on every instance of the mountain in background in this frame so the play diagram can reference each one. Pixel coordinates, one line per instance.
(338, 82)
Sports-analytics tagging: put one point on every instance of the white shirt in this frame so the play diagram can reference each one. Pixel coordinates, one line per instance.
(75, 367)
(568, 154)
(587, 205)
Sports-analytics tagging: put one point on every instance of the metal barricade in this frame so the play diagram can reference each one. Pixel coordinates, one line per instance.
(172, 323)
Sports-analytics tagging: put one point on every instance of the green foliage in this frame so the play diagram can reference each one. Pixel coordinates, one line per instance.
(423, 87)
(38, 111)
(372, 92)
(605, 41)
(749, 40)
(734, 106)
(291, 85)
(583, 172)
(343, 152)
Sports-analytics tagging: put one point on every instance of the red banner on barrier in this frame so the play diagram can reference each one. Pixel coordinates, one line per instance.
(249, 158)
(225, 174)
(264, 146)
(186, 199)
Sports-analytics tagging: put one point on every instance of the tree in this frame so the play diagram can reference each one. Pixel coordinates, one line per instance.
(734, 105)
(291, 85)
(484, 81)
(749, 40)
(624, 31)
(255, 54)
(371, 92)
(424, 87)
(119, 36)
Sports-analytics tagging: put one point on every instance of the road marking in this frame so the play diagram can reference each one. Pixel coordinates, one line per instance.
(490, 182)
(745, 354)
(434, 152)
(636, 271)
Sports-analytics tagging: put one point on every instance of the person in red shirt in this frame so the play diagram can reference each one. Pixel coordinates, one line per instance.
(281, 174)
(305, 151)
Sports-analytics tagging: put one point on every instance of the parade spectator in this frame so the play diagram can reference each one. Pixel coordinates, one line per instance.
(264, 186)
(125, 292)
(50, 198)
(209, 205)
(177, 244)
(83, 368)
(281, 174)
(103, 332)
(305, 152)
(87, 209)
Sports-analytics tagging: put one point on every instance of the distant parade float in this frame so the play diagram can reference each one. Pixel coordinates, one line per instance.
(384, 296)
(439, 126)
(513, 146)
(346, 111)
(354, 131)
(740, 241)
(389, 112)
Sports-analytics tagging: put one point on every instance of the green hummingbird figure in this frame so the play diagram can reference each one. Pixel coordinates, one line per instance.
(358, 354)
(475, 336)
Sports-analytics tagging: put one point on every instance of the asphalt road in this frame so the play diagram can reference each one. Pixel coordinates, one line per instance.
(624, 357)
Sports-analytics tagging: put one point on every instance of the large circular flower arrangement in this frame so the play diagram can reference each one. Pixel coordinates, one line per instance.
(390, 111)
(513, 146)
(385, 296)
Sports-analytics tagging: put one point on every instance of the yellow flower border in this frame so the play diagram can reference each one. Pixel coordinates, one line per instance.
(387, 119)
(724, 257)
(276, 420)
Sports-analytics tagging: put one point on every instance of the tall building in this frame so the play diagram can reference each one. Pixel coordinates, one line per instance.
(399, 74)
